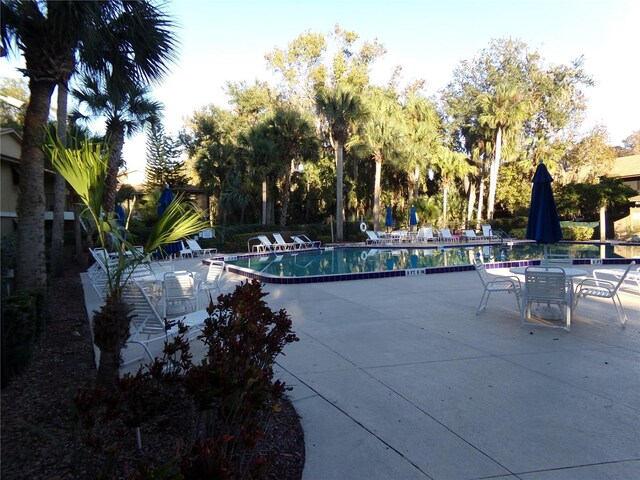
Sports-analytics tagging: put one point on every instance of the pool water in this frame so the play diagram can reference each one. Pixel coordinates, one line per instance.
(360, 260)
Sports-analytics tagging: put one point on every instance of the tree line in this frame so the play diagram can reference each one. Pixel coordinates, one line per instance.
(323, 143)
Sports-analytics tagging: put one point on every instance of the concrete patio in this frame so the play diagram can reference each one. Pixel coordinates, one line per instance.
(400, 379)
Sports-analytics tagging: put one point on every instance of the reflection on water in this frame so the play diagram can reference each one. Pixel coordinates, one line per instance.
(357, 260)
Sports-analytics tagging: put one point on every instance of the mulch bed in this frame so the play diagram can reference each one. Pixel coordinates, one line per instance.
(37, 438)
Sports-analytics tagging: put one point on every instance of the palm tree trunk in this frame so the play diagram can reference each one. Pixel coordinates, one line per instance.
(376, 195)
(480, 199)
(116, 141)
(108, 368)
(286, 195)
(493, 175)
(59, 193)
(264, 200)
(339, 192)
(471, 203)
(30, 265)
(445, 192)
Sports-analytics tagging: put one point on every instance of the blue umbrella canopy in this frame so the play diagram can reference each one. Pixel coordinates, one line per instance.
(543, 225)
(166, 197)
(389, 218)
(413, 217)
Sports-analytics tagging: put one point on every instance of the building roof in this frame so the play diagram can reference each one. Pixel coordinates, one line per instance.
(10, 143)
(626, 167)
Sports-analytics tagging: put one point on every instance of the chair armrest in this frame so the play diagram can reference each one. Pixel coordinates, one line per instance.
(594, 282)
(513, 278)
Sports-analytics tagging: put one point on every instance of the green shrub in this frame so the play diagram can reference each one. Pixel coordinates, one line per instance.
(519, 233)
(23, 320)
(510, 225)
(577, 233)
(8, 252)
(232, 389)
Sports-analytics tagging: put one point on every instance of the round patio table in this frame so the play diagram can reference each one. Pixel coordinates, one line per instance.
(569, 272)
(548, 313)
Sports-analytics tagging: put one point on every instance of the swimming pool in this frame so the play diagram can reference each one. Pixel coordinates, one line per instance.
(352, 263)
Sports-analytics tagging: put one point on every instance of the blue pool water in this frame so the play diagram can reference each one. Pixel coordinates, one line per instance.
(347, 263)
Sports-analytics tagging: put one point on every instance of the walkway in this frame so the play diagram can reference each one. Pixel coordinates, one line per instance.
(399, 379)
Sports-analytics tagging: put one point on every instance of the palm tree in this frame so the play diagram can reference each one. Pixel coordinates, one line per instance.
(260, 151)
(423, 135)
(294, 138)
(339, 107)
(452, 166)
(126, 112)
(85, 169)
(131, 38)
(379, 138)
(47, 35)
(501, 111)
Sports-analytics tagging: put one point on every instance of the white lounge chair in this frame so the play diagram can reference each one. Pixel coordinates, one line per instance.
(374, 239)
(546, 286)
(305, 242)
(263, 245)
(487, 233)
(193, 321)
(445, 236)
(470, 236)
(185, 251)
(281, 244)
(592, 287)
(196, 249)
(496, 283)
(425, 234)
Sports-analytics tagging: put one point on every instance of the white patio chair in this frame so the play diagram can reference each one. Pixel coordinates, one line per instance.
(214, 274)
(631, 280)
(195, 247)
(557, 260)
(496, 283)
(179, 289)
(593, 287)
(546, 286)
(281, 244)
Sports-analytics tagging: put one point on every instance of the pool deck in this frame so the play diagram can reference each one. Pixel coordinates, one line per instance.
(398, 378)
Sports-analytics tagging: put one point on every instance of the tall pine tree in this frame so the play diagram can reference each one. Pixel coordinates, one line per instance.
(164, 166)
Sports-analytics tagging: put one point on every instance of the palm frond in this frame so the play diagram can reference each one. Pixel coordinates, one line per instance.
(179, 220)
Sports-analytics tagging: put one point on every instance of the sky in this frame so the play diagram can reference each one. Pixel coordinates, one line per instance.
(226, 40)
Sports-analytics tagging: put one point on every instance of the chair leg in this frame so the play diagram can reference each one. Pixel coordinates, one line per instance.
(622, 315)
(483, 301)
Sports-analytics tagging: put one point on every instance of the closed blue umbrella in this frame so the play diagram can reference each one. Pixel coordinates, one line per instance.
(166, 197)
(120, 215)
(413, 217)
(389, 219)
(543, 225)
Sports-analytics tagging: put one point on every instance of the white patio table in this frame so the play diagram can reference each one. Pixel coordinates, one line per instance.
(570, 273)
